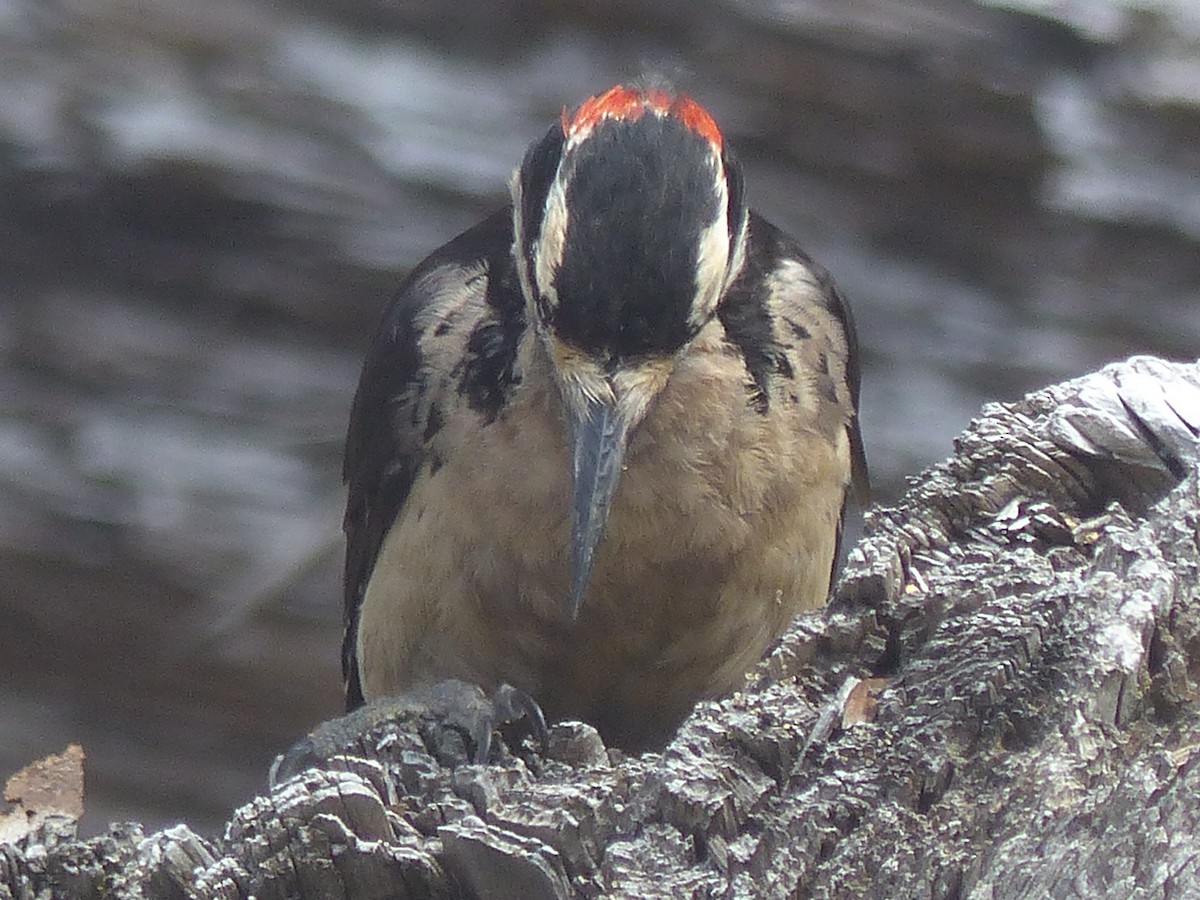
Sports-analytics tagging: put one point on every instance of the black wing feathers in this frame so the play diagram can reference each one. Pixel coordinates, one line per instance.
(386, 444)
(746, 317)
(489, 368)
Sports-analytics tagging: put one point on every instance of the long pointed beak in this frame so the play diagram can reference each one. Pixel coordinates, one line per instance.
(598, 441)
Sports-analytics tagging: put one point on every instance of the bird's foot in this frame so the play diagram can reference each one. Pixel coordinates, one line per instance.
(453, 721)
(510, 708)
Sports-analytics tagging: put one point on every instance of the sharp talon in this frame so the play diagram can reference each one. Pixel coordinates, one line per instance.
(482, 736)
(537, 720)
(300, 756)
(513, 704)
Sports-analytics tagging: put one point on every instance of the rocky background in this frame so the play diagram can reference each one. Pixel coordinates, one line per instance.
(204, 206)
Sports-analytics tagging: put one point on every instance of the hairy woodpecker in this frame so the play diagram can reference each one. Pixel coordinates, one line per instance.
(602, 442)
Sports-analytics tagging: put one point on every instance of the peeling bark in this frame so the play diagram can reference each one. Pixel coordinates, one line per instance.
(1031, 607)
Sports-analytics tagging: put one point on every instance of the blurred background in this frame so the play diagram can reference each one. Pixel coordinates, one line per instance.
(203, 206)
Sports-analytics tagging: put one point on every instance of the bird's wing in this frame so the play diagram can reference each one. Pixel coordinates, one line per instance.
(860, 479)
(839, 309)
(788, 319)
(448, 336)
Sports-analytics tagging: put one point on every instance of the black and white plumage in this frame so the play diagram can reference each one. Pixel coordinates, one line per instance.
(602, 441)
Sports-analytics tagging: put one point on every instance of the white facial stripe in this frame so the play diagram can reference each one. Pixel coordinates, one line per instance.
(738, 257)
(712, 257)
(548, 254)
(518, 248)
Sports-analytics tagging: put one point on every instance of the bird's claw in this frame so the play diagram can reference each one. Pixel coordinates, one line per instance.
(509, 705)
(457, 704)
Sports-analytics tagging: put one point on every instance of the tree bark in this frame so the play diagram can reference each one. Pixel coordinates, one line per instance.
(1000, 701)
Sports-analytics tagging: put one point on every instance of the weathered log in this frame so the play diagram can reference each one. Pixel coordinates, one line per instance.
(1001, 701)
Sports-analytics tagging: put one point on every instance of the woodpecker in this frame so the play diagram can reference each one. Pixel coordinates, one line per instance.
(602, 442)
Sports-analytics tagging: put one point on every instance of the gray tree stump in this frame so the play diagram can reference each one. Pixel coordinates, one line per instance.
(1001, 701)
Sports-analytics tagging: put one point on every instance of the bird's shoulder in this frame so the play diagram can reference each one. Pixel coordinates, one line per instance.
(788, 319)
(448, 336)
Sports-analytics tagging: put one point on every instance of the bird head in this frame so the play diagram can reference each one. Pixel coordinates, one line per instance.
(629, 223)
